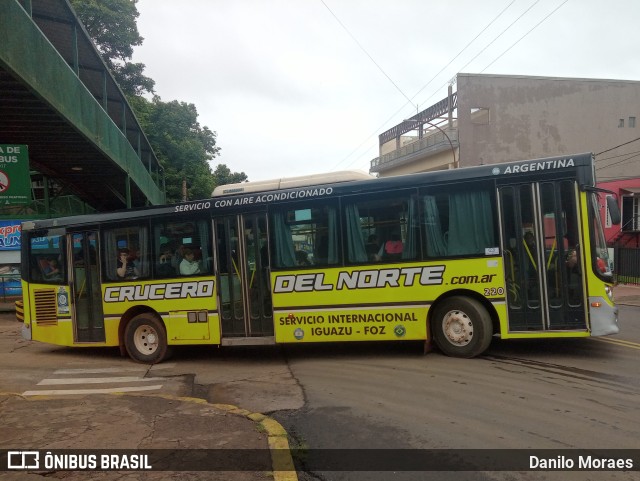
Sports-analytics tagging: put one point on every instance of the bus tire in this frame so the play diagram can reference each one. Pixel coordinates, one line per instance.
(146, 339)
(461, 327)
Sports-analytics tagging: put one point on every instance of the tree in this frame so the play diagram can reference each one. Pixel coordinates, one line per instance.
(183, 147)
(223, 175)
(112, 26)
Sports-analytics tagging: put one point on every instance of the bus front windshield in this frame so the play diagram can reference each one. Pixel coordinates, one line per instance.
(599, 254)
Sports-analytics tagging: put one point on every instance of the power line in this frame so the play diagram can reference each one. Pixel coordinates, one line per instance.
(410, 101)
(532, 29)
(365, 51)
(501, 33)
(619, 162)
(617, 156)
(375, 132)
(460, 52)
(618, 146)
(625, 177)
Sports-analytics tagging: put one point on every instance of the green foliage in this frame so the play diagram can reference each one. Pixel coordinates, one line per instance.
(182, 146)
(131, 79)
(223, 175)
(112, 26)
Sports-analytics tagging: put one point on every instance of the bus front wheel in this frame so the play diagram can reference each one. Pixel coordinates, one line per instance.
(146, 339)
(461, 327)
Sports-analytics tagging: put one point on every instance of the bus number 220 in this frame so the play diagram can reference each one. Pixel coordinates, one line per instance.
(494, 291)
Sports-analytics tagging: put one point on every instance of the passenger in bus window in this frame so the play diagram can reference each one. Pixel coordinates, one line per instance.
(189, 265)
(573, 275)
(166, 255)
(51, 270)
(572, 261)
(54, 270)
(178, 255)
(393, 248)
(302, 258)
(165, 265)
(125, 267)
(530, 243)
(373, 248)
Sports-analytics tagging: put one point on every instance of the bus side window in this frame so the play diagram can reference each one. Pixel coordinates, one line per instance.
(172, 237)
(459, 222)
(305, 237)
(47, 259)
(132, 240)
(381, 228)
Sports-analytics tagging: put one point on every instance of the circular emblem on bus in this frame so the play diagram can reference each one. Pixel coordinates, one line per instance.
(399, 330)
(496, 171)
(62, 298)
(298, 334)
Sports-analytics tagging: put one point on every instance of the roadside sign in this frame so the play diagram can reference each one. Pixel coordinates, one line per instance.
(10, 235)
(15, 181)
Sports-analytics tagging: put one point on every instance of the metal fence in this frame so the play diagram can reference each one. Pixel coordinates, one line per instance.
(627, 265)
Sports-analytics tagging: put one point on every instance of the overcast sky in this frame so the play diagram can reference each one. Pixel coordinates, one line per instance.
(296, 87)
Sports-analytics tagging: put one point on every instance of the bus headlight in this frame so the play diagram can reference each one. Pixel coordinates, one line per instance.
(609, 291)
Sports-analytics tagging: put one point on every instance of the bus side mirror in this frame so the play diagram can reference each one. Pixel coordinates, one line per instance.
(614, 210)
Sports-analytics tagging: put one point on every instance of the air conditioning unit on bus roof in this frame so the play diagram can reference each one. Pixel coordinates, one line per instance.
(290, 182)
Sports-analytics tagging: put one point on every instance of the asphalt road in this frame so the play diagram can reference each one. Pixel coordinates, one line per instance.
(558, 394)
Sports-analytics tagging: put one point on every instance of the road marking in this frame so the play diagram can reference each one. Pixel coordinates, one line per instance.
(107, 370)
(97, 380)
(77, 377)
(63, 392)
(619, 342)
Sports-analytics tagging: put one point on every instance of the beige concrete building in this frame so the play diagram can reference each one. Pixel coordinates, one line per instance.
(487, 119)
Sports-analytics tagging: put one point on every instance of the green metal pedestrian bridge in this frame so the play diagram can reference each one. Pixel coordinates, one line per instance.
(58, 98)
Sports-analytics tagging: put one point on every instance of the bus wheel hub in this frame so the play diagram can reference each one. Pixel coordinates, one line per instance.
(458, 328)
(146, 339)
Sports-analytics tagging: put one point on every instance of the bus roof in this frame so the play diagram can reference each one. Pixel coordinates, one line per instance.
(290, 182)
(565, 166)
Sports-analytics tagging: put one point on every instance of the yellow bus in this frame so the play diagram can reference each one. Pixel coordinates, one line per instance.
(513, 250)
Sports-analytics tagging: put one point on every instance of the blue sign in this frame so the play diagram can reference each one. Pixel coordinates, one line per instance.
(10, 235)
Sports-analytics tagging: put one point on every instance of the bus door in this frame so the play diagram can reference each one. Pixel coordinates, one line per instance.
(542, 256)
(243, 276)
(86, 294)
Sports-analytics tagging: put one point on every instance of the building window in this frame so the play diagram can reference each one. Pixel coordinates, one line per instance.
(632, 122)
(630, 213)
(620, 123)
(480, 116)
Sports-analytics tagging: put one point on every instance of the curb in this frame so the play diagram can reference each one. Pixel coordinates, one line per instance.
(277, 437)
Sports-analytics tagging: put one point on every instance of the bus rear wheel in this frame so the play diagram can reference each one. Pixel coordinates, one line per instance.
(461, 327)
(146, 339)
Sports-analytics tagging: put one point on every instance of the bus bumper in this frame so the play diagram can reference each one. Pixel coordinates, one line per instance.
(604, 319)
(26, 332)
